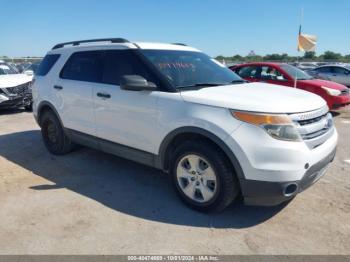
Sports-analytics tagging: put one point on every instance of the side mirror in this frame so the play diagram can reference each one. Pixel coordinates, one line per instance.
(136, 83)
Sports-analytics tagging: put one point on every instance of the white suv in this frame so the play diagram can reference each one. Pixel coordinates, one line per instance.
(174, 108)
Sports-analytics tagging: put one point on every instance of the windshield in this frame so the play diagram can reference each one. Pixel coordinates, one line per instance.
(294, 72)
(6, 70)
(187, 69)
(347, 67)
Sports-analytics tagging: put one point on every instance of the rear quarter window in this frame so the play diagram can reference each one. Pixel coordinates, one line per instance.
(47, 63)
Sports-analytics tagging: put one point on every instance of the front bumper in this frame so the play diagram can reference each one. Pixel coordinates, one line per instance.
(17, 96)
(11, 102)
(274, 171)
(265, 193)
(338, 102)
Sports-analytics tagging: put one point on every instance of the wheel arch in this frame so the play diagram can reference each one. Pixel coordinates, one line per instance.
(186, 133)
(46, 106)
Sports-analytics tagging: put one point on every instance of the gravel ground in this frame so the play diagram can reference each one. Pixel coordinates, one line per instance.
(89, 202)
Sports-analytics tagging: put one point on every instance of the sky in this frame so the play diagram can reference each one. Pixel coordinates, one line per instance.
(221, 27)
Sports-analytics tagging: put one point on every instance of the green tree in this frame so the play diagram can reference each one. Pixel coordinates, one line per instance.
(254, 58)
(311, 55)
(237, 58)
(329, 55)
(220, 58)
(275, 57)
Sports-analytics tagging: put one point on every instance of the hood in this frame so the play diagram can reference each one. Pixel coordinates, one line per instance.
(325, 83)
(256, 97)
(14, 80)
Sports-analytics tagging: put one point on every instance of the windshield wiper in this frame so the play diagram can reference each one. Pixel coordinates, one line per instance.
(306, 78)
(200, 85)
(238, 81)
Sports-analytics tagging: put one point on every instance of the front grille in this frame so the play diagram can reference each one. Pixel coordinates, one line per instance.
(310, 121)
(314, 127)
(20, 90)
(345, 92)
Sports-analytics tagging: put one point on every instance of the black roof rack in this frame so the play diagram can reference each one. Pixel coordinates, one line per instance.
(179, 44)
(75, 43)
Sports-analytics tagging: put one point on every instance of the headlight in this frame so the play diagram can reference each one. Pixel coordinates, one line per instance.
(331, 92)
(3, 98)
(278, 126)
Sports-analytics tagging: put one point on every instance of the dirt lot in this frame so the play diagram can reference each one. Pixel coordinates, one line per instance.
(89, 202)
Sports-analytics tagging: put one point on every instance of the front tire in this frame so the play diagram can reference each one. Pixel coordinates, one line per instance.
(55, 140)
(29, 107)
(203, 177)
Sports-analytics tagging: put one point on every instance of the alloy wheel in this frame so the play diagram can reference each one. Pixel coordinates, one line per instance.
(196, 178)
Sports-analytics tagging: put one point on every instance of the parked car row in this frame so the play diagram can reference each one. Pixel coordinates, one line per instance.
(336, 73)
(336, 95)
(172, 107)
(28, 68)
(306, 66)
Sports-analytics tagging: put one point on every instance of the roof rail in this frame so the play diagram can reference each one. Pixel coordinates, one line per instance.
(75, 43)
(179, 44)
(138, 47)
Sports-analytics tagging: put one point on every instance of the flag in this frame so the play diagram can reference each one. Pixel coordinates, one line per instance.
(306, 42)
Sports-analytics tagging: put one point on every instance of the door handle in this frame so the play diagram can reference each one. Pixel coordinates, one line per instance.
(103, 95)
(58, 87)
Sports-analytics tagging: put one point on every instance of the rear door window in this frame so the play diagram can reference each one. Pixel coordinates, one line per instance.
(84, 66)
(46, 65)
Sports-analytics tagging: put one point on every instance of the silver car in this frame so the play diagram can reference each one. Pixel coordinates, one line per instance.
(336, 73)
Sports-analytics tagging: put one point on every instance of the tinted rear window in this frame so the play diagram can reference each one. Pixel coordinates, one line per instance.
(106, 67)
(46, 65)
(84, 66)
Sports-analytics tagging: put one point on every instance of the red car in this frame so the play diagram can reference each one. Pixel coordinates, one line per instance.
(336, 95)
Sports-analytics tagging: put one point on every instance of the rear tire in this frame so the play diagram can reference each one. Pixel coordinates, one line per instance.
(55, 140)
(209, 184)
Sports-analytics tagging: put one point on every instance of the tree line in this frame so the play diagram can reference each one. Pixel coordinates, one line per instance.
(308, 56)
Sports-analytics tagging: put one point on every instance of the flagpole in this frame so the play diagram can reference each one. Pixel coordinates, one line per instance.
(301, 21)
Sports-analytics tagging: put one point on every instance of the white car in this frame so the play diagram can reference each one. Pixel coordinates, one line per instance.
(337, 73)
(172, 107)
(15, 88)
(306, 66)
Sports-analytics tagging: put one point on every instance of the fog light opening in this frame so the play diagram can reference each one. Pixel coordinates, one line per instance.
(290, 190)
